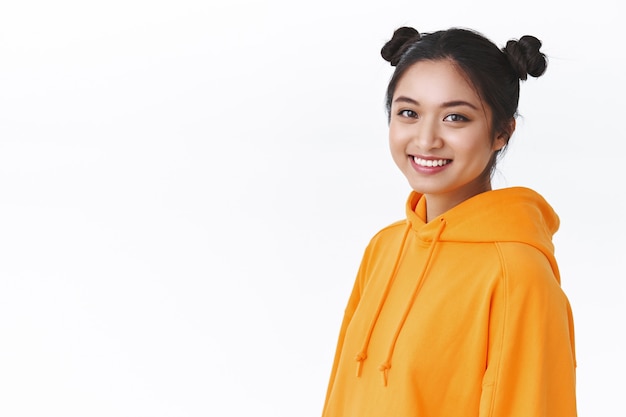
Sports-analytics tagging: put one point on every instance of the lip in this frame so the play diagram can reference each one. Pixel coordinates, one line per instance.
(428, 169)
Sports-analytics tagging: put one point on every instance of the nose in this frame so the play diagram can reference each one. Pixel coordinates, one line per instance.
(427, 134)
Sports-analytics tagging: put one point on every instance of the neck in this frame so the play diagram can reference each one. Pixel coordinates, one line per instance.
(437, 204)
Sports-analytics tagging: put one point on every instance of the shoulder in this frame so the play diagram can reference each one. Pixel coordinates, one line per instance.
(527, 269)
(391, 230)
(386, 242)
(388, 235)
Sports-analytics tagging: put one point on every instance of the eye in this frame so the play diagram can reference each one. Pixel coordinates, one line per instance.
(408, 113)
(455, 118)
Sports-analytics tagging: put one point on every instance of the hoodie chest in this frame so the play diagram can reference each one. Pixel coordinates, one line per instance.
(431, 309)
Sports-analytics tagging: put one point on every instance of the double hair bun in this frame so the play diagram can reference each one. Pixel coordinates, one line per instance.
(402, 38)
(524, 55)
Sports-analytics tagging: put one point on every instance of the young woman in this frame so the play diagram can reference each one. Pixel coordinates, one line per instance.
(457, 310)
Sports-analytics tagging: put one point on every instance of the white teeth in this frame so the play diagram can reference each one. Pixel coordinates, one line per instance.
(430, 162)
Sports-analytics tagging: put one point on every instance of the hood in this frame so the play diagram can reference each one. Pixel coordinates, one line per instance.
(515, 214)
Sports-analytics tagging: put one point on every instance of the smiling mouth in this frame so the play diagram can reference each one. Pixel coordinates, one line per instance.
(431, 162)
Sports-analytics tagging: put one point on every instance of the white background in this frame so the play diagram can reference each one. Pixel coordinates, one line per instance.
(187, 187)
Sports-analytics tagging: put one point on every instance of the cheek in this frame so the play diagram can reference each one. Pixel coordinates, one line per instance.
(397, 145)
(397, 135)
(397, 148)
(475, 143)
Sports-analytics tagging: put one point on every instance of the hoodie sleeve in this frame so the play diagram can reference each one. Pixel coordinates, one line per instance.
(353, 303)
(531, 358)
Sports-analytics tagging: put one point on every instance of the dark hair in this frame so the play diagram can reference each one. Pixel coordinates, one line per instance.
(494, 72)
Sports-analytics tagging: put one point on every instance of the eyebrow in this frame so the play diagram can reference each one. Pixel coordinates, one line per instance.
(453, 103)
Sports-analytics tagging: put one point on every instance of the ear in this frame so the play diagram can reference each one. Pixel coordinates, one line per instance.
(502, 139)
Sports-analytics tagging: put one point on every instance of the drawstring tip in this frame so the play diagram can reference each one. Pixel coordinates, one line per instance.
(359, 366)
(384, 368)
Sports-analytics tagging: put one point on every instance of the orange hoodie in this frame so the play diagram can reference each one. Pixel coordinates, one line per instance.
(462, 316)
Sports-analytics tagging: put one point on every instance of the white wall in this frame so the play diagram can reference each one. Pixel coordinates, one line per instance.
(186, 189)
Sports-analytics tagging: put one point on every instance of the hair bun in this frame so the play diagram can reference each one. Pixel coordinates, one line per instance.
(525, 57)
(402, 38)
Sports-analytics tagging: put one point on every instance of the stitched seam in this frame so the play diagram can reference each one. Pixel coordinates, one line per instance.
(504, 325)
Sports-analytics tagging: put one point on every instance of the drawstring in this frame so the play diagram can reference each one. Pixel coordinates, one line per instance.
(386, 365)
(362, 355)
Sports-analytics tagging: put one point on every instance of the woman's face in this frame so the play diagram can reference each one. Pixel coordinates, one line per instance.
(440, 134)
